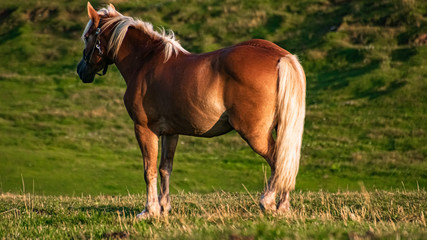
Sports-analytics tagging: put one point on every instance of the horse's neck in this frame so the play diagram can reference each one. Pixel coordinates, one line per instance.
(136, 54)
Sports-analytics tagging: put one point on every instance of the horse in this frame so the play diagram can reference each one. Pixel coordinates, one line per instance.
(255, 88)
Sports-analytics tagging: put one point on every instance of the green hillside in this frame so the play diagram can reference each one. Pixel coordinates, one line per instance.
(366, 66)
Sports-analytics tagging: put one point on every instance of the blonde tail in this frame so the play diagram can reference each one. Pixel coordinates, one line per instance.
(290, 115)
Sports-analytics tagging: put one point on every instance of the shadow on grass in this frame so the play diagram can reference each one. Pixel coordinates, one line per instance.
(103, 209)
(336, 80)
(10, 35)
(316, 26)
(378, 92)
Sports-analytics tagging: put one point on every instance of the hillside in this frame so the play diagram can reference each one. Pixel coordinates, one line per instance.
(366, 104)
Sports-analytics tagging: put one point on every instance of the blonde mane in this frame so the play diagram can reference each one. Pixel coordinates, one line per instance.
(121, 24)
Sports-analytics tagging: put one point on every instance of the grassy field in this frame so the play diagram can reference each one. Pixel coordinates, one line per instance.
(220, 215)
(365, 126)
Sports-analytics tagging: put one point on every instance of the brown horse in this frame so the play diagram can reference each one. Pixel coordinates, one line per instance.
(254, 87)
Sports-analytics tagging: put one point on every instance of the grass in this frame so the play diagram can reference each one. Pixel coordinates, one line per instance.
(314, 215)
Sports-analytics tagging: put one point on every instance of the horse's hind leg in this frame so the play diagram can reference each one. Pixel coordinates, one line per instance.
(264, 146)
(268, 197)
(165, 169)
(259, 137)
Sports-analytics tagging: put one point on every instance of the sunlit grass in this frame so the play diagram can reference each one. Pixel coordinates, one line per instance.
(220, 215)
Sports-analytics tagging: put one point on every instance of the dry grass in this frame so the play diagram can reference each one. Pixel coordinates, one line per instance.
(354, 215)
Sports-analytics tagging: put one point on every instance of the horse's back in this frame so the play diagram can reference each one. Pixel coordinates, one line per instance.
(261, 43)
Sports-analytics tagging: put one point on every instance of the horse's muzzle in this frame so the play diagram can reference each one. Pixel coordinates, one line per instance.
(84, 72)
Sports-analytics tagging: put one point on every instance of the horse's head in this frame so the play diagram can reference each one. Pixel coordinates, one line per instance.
(95, 57)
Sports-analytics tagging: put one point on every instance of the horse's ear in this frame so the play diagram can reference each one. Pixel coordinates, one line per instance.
(93, 15)
(112, 7)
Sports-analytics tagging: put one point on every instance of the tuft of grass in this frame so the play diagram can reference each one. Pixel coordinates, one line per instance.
(220, 215)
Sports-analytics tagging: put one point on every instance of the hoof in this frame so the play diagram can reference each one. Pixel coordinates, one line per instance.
(267, 205)
(145, 215)
(165, 212)
(284, 208)
(267, 208)
(165, 207)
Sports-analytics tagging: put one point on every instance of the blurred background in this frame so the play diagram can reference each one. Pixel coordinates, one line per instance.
(366, 123)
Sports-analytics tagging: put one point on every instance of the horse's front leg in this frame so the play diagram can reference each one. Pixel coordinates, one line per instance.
(166, 163)
(148, 142)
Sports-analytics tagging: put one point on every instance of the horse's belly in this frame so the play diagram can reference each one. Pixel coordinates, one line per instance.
(206, 127)
(219, 128)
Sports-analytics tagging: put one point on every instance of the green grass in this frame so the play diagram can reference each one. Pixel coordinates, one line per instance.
(314, 215)
(366, 102)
